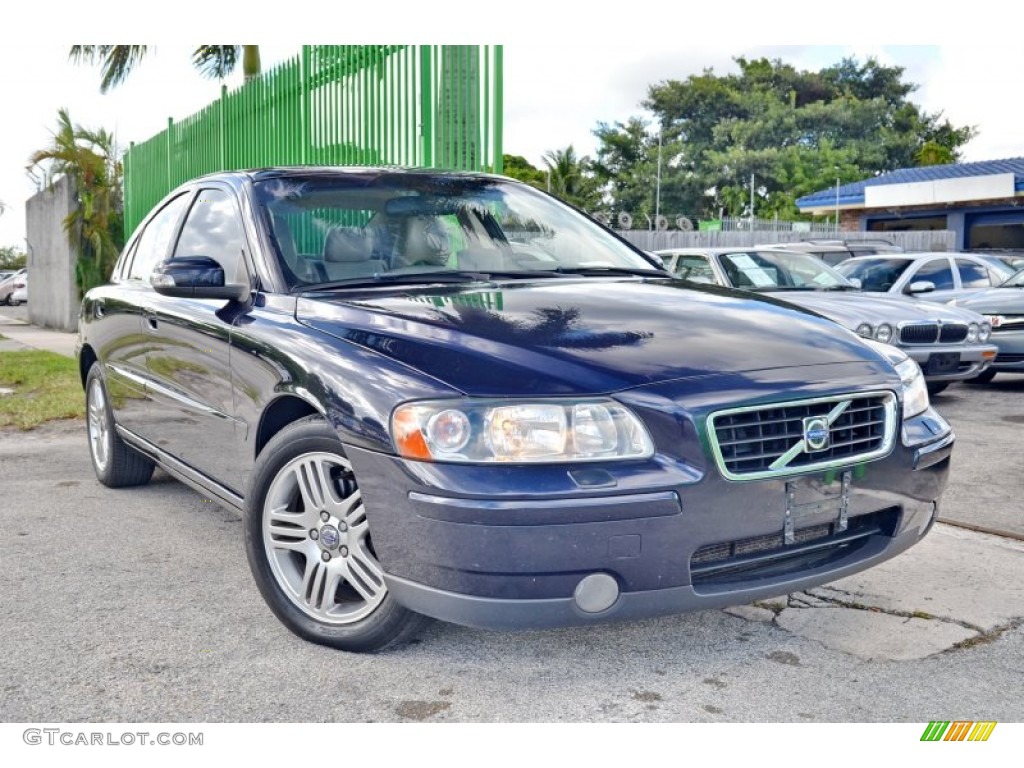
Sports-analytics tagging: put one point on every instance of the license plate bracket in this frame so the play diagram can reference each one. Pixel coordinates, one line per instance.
(823, 498)
(943, 362)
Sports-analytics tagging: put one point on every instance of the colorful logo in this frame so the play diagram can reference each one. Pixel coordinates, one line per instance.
(958, 730)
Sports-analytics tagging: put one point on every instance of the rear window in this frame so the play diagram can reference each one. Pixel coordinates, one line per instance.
(874, 274)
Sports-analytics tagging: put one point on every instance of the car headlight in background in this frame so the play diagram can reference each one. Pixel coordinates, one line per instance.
(915, 391)
(991, 321)
(534, 432)
(865, 330)
(972, 333)
(883, 333)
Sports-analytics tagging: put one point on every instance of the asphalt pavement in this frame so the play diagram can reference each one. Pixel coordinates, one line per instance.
(137, 605)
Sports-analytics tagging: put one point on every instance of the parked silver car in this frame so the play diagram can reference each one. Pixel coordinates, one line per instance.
(7, 286)
(1003, 307)
(936, 277)
(949, 343)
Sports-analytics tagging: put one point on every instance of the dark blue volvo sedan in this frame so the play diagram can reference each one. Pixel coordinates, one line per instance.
(450, 395)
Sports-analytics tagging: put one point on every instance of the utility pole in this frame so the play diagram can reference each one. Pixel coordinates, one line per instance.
(837, 203)
(751, 202)
(657, 189)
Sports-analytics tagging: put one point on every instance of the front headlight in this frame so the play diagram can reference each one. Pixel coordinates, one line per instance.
(883, 333)
(533, 432)
(914, 388)
(865, 330)
(984, 332)
(972, 333)
(915, 391)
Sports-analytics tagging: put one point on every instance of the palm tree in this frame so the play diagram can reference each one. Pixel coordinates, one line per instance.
(89, 159)
(570, 177)
(214, 61)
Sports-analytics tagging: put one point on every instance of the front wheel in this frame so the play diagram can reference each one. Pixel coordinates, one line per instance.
(309, 544)
(984, 377)
(934, 389)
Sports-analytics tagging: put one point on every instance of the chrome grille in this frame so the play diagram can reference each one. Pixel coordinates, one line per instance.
(919, 333)
(769, 440)
(932, 333)
(953, 334)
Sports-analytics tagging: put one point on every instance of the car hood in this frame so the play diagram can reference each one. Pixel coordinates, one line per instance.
(852, 308)
(570, 336)
(995, 301)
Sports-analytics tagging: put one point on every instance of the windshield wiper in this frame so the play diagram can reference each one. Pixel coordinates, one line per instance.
(841, 288)
(602, 271)
(425, 278)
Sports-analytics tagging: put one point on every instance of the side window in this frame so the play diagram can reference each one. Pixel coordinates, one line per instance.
(972, 275)
(696, 268)
(213, 229)
(938, 272)
(121, 268)
(153, 244)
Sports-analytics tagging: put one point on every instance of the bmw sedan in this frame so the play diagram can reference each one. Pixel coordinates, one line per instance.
(452, 396)
(949, 344)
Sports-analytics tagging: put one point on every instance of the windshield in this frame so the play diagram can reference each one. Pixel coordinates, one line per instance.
(1017, 281)
(779, 271)
(350, 225)
(875, 274)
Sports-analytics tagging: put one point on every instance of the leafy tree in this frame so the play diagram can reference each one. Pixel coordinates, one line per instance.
(11, 258)
(94, 228)
(796, 131)
(117, 62)
(519, 167)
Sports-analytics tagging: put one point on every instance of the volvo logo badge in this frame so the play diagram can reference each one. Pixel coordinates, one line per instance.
(816, 433)
(329, 536)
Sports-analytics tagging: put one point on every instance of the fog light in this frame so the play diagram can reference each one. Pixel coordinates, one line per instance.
(597, 592)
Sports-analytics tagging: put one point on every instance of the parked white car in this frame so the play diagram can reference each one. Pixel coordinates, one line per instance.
(20, 293)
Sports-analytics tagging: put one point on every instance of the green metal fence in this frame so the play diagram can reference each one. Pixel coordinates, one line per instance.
(434, 106)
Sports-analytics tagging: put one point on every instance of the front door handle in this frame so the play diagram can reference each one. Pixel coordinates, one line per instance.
(152, 323)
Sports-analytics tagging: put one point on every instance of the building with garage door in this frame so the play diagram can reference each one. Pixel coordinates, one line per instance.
(983, 203)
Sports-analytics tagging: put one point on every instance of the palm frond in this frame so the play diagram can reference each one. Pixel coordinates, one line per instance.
(216, 61)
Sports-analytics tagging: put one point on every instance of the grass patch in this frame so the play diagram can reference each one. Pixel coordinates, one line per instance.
(46, 386)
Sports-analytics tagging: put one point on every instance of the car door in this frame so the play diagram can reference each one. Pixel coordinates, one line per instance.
(188, 362)
(938, 271)
(116, 319)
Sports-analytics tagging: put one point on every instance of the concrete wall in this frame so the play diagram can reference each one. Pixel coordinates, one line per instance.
(52, 292)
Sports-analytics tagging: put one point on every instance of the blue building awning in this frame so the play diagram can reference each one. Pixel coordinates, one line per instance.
(855, 195)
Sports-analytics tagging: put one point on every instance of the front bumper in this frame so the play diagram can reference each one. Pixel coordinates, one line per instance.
(525, 547)
(1011, 351)
(972, 361)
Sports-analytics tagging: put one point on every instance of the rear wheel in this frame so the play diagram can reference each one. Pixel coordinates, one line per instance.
(116, 464)
(310, 548)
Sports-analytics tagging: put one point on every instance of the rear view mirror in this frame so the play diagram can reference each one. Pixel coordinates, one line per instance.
(195, 277)
(921, 286)
(855, 282)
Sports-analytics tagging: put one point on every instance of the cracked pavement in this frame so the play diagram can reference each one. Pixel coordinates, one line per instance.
(138, 606)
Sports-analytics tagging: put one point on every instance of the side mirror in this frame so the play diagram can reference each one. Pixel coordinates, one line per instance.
(195, 277)
(921, 286)
(855, 282)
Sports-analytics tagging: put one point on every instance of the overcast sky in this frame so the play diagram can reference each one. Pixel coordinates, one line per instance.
(565, 71)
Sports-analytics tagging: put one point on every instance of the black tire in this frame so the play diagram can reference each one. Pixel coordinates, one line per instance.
(15, 303)
(116, 464)
(341, 602)
(934, 389)
(984, 377)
